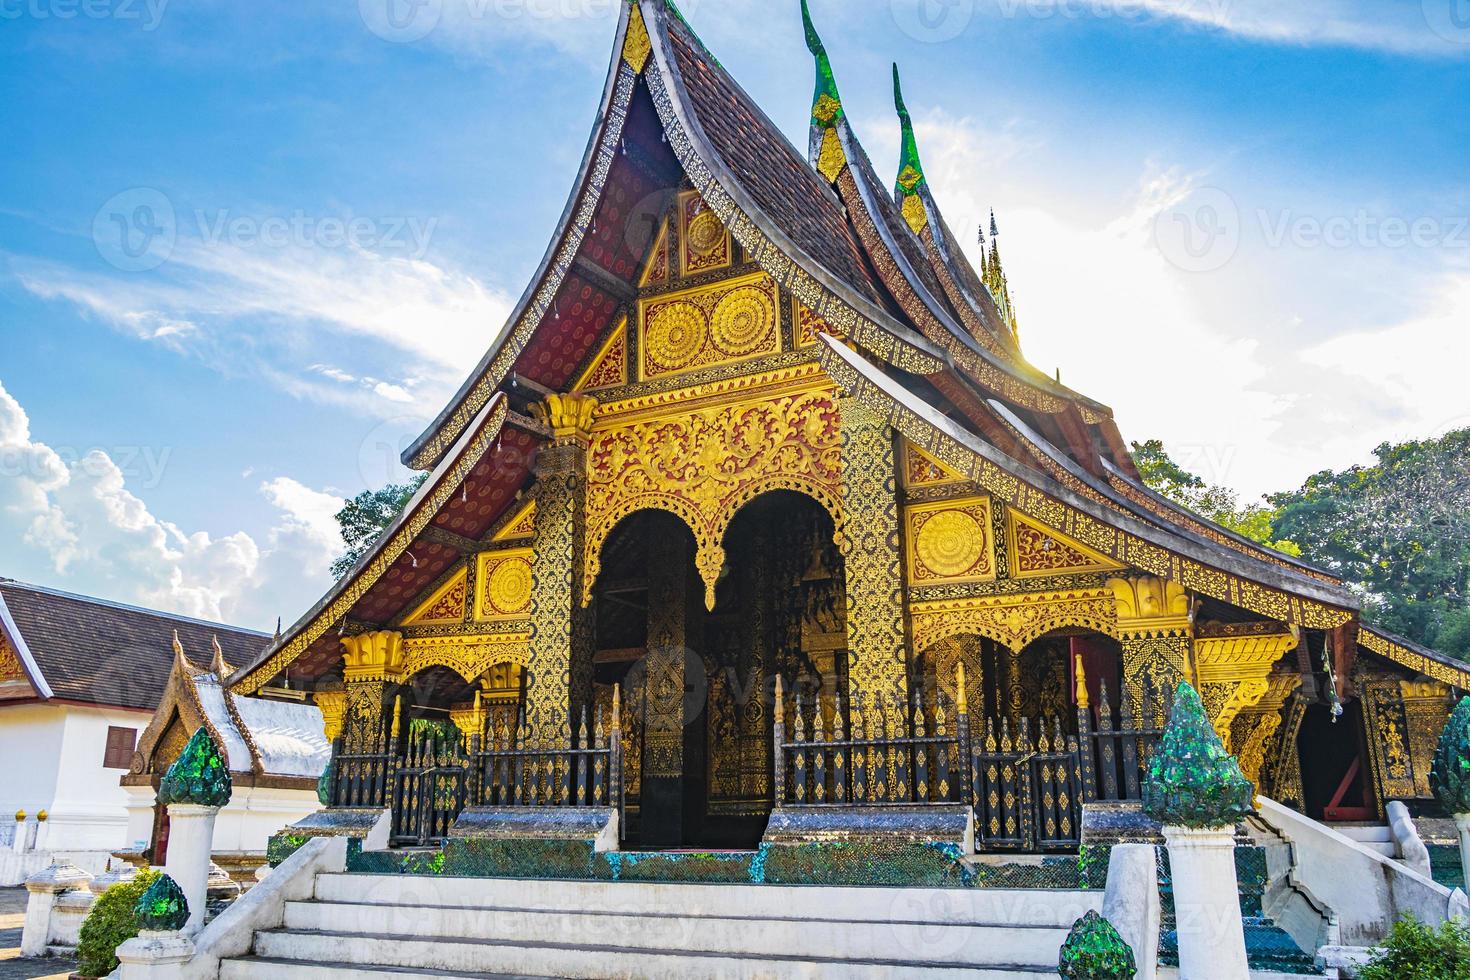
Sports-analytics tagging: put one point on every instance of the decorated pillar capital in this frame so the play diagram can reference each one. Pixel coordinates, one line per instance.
(1233, 665)
(332, 703)
(1151, 607)
(570, 418)
(376, 656)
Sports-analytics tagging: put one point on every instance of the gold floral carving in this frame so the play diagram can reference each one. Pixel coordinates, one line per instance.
(521, 525)
(1036, 552)
(705, 240)
(809, 324)
(831, 160)
(637, 45)
(657, 269)
(704, 466)
(333, 706)
(446, 605)
(467, 656)
(915, 214)
(950, 542)
(570, 417)
(1255, 730)
(373, 656)
(1013, 621)
(609, 366)
(10, 666)
(1232, 671)
(922, 470)
(1414, 660)
(505, 585)
(732, 320)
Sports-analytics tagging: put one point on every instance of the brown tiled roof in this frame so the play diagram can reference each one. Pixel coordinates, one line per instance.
(777, 177)
(100, 652)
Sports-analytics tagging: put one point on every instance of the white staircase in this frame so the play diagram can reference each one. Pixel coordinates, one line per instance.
(361, 927)
(1372, 836)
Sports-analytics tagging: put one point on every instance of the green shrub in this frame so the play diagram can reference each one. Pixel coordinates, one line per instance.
(112, 922)
(1413, 951)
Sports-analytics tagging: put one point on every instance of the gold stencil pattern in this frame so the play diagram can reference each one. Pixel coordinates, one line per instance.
(1013, 621)
(1036, 552)
(446, 605)
(705, 243)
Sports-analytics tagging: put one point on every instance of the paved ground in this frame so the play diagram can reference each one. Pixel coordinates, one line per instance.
(12, 967)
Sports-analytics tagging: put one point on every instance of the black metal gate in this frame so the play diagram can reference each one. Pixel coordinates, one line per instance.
(429, 790)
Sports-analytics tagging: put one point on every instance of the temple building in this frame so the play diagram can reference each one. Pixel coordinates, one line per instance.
(754, 518)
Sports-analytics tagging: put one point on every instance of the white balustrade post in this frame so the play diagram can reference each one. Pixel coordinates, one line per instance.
(1207, 904)
(154, 956)
(18, 843)
(45, 888)
(190, 842)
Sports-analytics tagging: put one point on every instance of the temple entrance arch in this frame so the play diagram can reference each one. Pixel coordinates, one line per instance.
(697, 681)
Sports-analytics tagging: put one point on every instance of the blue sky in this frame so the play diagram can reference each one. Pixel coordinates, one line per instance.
(1244, 224)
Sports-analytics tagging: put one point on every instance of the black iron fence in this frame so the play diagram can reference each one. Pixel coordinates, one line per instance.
(427, 780)
(1026, 782)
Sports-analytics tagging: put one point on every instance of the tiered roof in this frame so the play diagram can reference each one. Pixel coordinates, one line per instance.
(883, 267)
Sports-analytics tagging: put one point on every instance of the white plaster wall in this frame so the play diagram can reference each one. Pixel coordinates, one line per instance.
(89, 810)
(245, 826)
(31, 737)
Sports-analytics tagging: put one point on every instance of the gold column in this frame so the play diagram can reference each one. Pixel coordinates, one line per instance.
(372, 662)
(560, 680)
(870, 547)
(1154, 628)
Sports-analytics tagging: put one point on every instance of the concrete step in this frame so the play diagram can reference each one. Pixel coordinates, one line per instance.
(891, 938)
(350, 953)
(1364, 833)
(1387, 850)
(939, 906)
(256, 967)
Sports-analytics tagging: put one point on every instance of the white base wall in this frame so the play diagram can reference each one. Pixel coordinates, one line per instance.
(254, 816)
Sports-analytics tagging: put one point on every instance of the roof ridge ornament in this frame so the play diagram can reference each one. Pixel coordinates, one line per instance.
(825, 151)
(910, 168)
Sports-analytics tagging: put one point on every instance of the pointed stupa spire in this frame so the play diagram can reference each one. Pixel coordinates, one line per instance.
(910, 169)
(219, 665)
(993, 274)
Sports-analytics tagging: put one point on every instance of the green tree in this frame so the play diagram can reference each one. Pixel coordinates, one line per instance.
(1218, 504)
(367, 516)
(1400, 531)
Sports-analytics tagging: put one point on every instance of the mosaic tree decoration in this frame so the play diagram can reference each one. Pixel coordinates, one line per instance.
(324, 784)
(1095, 951)
(200, 777)
(163, 907)
(1449, 777)
(1192, 781)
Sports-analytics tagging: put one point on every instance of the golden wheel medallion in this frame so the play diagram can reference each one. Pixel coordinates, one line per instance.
(743, 322)
(675, 335)
(705, 233)
(509, 588)
(951, 543)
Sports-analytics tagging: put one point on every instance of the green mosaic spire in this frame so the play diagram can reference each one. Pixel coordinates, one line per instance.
(163, 907)
(1449, 777)
(1192, 781)
(910, 169)
(199, 777)
(1095, 951)
(826, 103)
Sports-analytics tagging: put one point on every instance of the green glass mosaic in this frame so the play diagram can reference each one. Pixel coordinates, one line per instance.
(1192, 781)
(1449, 777)
(163, 907)
(826, 102)
(324, 784)
(910, 168)
(282, 846)
(1095, 951)
(200, 776)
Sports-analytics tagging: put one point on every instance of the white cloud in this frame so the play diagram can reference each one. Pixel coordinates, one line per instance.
(96, 536)
(1243, 403)
(1408, 27)
(257, 308)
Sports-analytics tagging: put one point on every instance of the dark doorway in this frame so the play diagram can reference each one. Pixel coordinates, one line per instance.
(1335, 778)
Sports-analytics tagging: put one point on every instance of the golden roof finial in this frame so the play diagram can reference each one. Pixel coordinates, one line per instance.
(1082, 701)
(617, 717)
(219, 665)
(961, 696)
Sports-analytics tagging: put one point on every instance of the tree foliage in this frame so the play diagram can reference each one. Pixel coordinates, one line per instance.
(1414, 951)
(1218, 504)
(367, 516)
(112, 921)
(1400, 531)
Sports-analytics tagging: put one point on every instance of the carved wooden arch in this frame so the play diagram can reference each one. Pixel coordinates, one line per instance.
(468, 656)
(1014, 621)
(704, 466)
